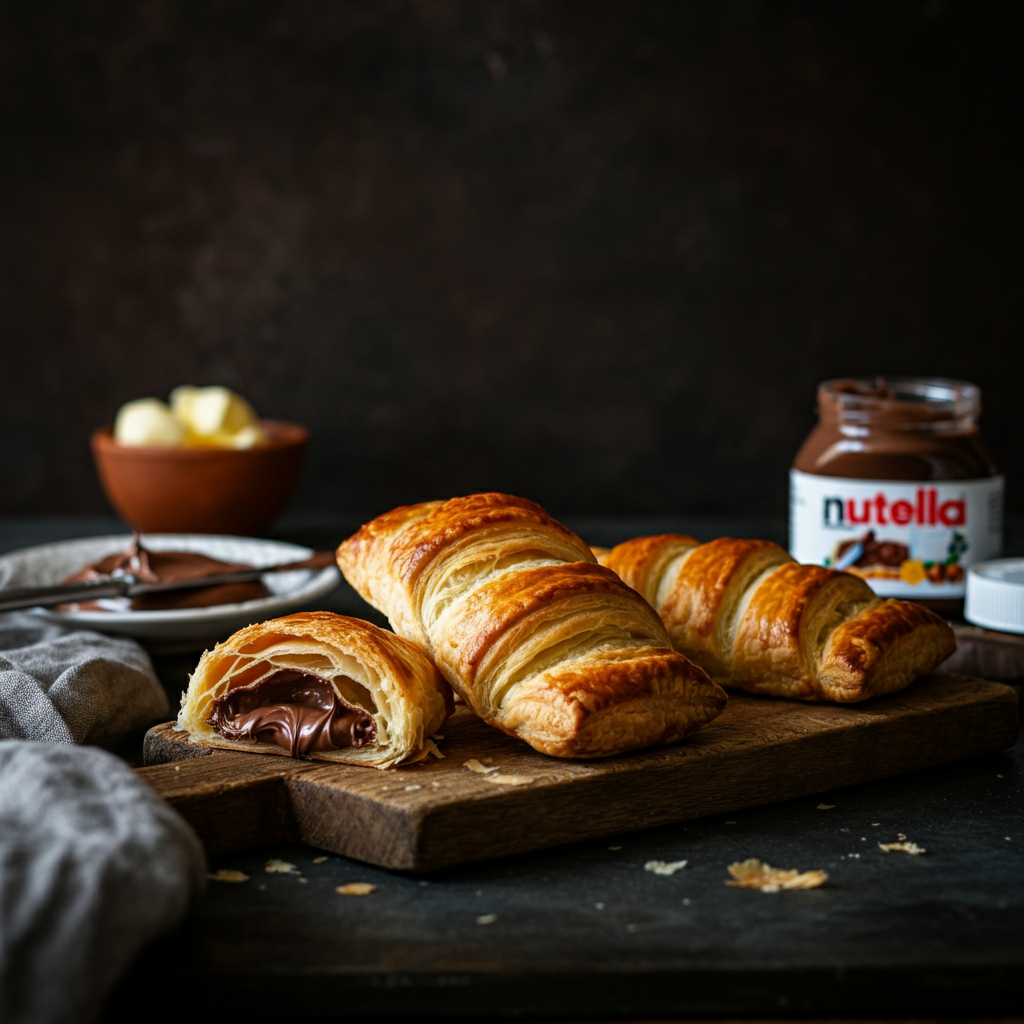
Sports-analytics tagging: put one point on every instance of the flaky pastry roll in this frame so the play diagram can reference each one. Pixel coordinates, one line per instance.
(758, 620)
(537, 638)
(317, 685)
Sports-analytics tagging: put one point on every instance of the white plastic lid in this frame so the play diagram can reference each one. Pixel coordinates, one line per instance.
(995, 595)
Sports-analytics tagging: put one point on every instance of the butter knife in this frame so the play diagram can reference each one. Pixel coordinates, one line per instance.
(126, 585)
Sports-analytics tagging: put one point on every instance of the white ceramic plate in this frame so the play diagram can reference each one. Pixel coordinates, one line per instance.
(177, 629)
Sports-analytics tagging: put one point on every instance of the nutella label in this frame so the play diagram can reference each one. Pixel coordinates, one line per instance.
(912, 539)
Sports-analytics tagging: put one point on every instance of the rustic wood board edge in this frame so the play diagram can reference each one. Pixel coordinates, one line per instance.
(793, 767)
(437, 814)
(987, 654)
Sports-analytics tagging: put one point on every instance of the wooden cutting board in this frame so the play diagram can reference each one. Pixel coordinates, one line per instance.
(439, 812)
(988, 654)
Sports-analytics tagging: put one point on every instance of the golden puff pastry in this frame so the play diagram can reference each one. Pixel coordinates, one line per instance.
(758, 620)
(317, 685)
(537, 638)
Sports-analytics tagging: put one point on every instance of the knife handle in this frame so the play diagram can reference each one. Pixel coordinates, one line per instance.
(63, 593)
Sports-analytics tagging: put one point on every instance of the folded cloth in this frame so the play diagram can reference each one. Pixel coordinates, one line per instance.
(64, 685)
(93, 865)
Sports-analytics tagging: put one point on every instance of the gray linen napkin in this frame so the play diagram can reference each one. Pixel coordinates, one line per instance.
(93, 865)
(73, 686)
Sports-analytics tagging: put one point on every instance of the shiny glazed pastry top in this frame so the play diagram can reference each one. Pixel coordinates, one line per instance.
(538, 639)
(758, 620)
(317, 685)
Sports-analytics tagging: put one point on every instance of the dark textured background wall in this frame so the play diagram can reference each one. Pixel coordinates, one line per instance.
(597, 253)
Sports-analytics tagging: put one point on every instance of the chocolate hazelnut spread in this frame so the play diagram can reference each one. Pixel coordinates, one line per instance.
(897, 484)
(903, 429)
(167, 567)
(298, 711)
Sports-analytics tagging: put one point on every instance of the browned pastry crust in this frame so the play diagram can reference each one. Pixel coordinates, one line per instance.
(755, 619)
(390, 678)
(538, 639)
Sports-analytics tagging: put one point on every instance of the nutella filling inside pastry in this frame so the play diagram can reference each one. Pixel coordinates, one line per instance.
(317, 685)
(298, 711)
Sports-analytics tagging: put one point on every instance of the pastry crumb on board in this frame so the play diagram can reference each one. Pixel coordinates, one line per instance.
(280, 867)
(510, 780)
(661, 867)
(227, 875)
(905, 847)
(754, 874)
(355, 889)
(492, 773)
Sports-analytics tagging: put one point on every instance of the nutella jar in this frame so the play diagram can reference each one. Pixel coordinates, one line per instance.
(897, 485)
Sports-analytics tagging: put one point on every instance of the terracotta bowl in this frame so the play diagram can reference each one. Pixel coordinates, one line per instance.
(201, 490)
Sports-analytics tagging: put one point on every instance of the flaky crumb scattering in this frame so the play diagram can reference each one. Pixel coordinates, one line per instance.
(432, 748)
(475, 766)
(912, 848)
(227, 875)
(660, 867)
(826, 807)
(510, 780)
(280, 867)
(487, 919)
(319, 860)
(355, 889)
(754, 874)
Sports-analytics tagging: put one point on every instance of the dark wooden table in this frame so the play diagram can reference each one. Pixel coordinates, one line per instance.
(584, 931)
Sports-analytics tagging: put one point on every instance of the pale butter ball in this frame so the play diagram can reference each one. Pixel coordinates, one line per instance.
(148, 421)
(212, 412)
(247, 437)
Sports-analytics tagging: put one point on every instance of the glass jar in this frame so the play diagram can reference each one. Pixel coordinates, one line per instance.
(897, 484)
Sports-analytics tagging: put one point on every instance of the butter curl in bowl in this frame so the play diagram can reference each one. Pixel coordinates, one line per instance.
(213, 417)
(201, 463)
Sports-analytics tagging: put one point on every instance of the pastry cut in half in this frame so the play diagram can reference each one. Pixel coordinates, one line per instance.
(757, 620)
(317, 685)
(537, 638)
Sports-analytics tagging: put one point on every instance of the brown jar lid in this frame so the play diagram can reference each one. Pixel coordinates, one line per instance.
(899, 403)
